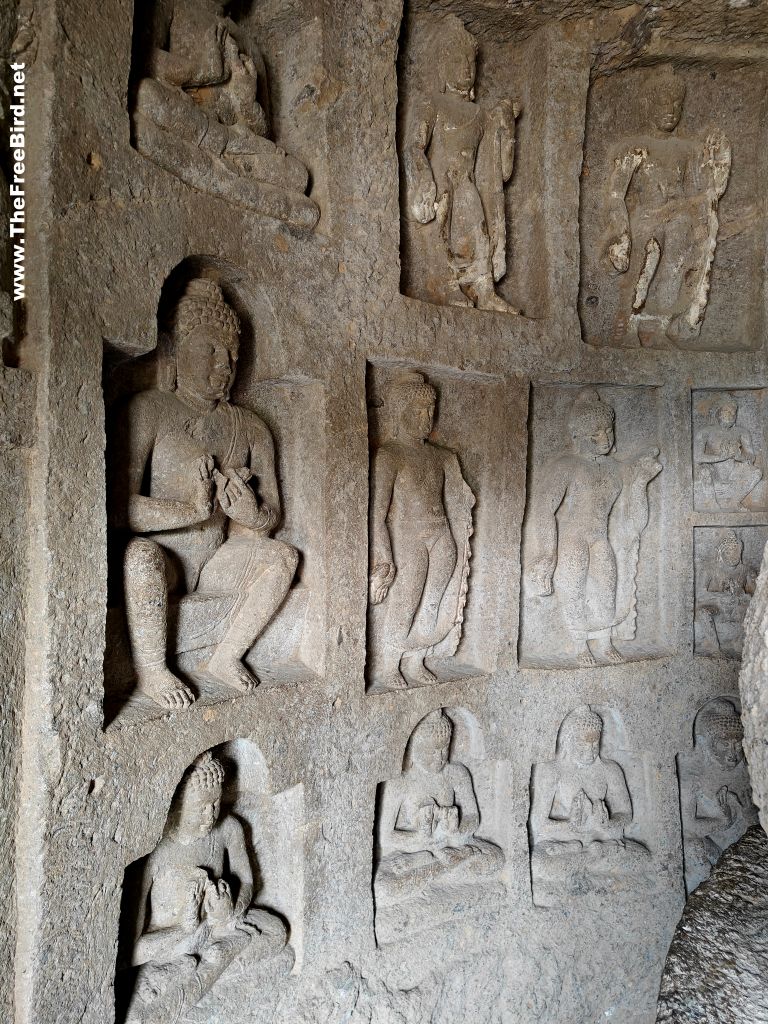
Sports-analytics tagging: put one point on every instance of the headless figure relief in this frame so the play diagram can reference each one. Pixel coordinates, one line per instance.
(202, 498)
(457, 159)
(580, 810)
(421, 522)
(589, 515)
(715, 795)
(725, 459)
(195, 912)
(728, 585)
(201, 113)
(663, 222)
(428, 820)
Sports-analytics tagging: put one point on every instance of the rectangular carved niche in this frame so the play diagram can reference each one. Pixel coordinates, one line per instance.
(671, 215)
(291, 647)
(469, 126)
(440, 459)
(593, 538)
(726, 562)
(730, 449)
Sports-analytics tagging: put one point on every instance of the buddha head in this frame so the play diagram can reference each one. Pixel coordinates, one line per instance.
(196, 803)
(430, 743)
(455, 52)
(412, 403)
(578, 741)
(730, 549)
(665, 95)
(726, 412)
(718, 731)
(204, 342)
(591, 424)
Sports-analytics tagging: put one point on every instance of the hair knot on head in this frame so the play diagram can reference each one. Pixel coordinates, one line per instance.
(581, 723)
(203, 305)
(719, 718)
(410, 385)
(205, 773)
(433, 732)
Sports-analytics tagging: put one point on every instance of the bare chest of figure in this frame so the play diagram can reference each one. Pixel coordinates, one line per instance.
(418, 491)
(456, 136)
(175, 873)
(424, 791)
(188, 437)
(593, 488)
(589, 779)
(663, 173)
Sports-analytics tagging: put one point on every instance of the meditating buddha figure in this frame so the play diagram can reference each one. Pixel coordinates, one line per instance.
(715, 793)
(196, 485)
(421, 521)
(195, 912)
(580, 810)
(428, 820)
(726, 461)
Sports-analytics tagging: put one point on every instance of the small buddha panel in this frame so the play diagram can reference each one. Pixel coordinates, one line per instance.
(726, 563)
(730, 447)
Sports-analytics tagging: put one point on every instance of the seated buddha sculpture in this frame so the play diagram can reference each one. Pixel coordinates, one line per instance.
(196, 486)
(429, 818)
(201, 111)
(195, 912)
(580, 810)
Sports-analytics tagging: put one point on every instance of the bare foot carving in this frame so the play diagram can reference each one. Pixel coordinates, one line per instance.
(605, 652)
(415, 671)
(228, 669)
(166, 689)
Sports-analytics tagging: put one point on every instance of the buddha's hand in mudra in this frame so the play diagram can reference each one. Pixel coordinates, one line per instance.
(219, 909)
(380, 580)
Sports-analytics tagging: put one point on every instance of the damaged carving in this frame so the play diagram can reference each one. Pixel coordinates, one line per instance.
(662, 221)
(201, 111)
(715, 795)
(457, 157)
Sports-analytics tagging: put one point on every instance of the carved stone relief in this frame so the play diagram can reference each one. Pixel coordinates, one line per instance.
(429, 855)
(195, 491)
(581, 811)
(421, 524)
(456, 157)
(200, 109)
(669, 226)
(729, 450)
(715, 794)
(585, 546)
(726, 567)
(189, 907)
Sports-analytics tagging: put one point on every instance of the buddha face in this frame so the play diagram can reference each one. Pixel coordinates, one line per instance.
(666, 103)
(726, 749)
(726, 414)
(205, 363)
(599, 440)
(460, 69)
(199, 810)
(430, 757)
(583, 747)
(417, 417)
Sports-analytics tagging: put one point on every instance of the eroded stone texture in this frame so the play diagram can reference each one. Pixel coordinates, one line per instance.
(503, 621)
(718, 959)
(754, 695)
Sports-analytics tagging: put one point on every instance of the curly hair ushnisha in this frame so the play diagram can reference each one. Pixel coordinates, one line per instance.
(729, 540)
(433, 732)
(202, 304)
(589, 413)
(204, 774)
(719, 717)
(581, 722)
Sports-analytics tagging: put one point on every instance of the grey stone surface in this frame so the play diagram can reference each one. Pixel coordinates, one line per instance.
(717, 963)
(545, 539)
